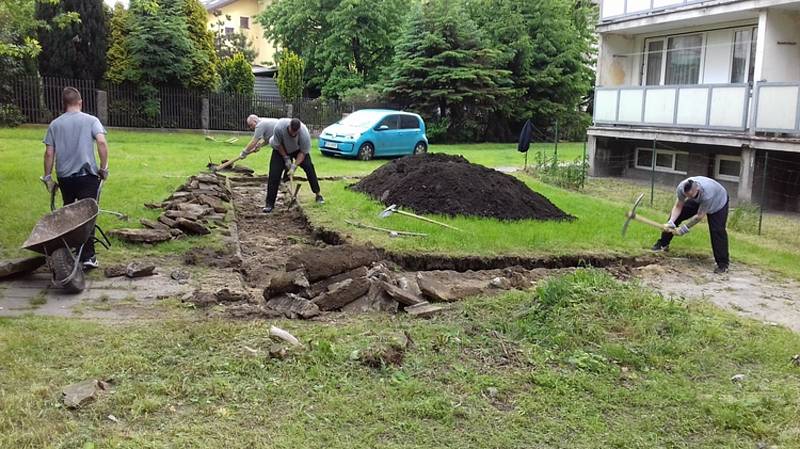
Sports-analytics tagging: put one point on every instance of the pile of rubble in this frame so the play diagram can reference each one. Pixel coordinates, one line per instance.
(198, 206)
(357, 280)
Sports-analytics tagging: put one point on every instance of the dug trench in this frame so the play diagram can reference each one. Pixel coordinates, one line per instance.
(289, 267)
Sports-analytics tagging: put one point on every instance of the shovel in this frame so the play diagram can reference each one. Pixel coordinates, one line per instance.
(393, 209)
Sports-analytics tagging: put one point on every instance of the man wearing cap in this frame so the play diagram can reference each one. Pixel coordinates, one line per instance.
(698, 197)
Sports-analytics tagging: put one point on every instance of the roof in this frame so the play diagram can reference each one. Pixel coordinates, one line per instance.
(261, 70)
(216, 4)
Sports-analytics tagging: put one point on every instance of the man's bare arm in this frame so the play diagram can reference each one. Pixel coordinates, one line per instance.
(49, 159)
(102, 150)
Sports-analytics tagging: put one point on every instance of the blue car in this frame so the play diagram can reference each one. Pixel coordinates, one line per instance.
(368, 133)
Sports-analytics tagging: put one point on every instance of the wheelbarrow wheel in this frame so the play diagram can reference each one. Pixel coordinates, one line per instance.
(62, 263)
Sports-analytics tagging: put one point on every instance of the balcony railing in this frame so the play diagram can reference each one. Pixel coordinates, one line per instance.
(611, 9)
(777, 107)
(706, 106)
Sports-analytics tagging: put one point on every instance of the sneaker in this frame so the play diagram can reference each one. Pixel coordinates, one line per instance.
(657, 248)
(91, 263)
(319, 199)
(267, 209)
(721, 269)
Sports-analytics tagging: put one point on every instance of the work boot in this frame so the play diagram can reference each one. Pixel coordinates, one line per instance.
(658, 247)
(319, 199)
(90, 263)
(267, 209)
(720, 269)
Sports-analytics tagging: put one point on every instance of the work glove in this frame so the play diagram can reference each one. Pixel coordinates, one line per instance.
(670, 225)
(292, 168)
(48, 182)
(287, 162)
(683, 230)
(103, 173)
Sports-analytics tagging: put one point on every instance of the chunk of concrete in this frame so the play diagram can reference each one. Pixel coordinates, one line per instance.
(140, 235)
(192, 227)
(150, 224)
(20, 266)
(402, 296)
(228, 295)
(79, 394)
(293, 306)
(166, 220)
(424, 309)
(342, 293)
(326, 262)
(321, 287)
(286, 282)
(115, 271)
(376, 300)
(139, 269)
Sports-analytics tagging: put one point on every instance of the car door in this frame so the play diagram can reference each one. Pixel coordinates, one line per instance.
(408, 134)
(386, 135)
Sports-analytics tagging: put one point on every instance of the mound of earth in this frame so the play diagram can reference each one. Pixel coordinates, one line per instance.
(451, 185)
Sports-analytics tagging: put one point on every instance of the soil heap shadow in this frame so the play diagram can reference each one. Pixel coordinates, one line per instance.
(451, 185)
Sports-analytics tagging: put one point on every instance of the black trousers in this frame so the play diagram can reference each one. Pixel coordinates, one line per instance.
(277, 168)
(717, 223)
(74, 188)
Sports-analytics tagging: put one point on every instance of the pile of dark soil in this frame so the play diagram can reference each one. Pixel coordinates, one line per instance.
(451, 185)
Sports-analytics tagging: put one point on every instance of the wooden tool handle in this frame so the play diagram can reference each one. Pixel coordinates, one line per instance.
(426, 219)
(652, 223)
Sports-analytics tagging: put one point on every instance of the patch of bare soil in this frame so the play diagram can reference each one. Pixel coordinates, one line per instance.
(745, 290)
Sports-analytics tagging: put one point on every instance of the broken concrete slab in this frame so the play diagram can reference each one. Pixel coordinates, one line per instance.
(150, 224)
(192, 227)
(139, 269)
(320, 287)
(201, 299)
(153, 205)
(166, 220)
(81, 393)
(15, 267)
(286, 282)
(213, 202)
(176, 233)
(141, 235)
(194, 209)
(424, 309)
(376, 300)
(326, 262)
(248, 311)
(342, 293)
(402, 296)
(293, 306)
(456, 288)
(115, 271)
(176, 214)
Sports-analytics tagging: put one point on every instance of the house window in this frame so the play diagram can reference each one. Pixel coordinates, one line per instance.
(681, 63)
(228, 31)
(666, 160)
(727, 168)
(744, 55)
(244, 23)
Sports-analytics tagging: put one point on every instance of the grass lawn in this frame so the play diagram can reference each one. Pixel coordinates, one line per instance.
(583, 362)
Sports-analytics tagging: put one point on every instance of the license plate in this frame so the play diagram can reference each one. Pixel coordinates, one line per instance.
(332, 145)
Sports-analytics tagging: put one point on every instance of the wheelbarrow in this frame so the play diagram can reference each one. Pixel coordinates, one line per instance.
(61, 236)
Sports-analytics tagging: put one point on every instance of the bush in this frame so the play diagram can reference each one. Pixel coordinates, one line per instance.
(237, 76)
(565, 174)
(744, 218)
(11, 116)
(290, 76)
(437, 131)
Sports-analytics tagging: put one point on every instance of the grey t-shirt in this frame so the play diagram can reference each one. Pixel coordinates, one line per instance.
(265, 128)
(72, 135)
(291, 144)
(712, 196)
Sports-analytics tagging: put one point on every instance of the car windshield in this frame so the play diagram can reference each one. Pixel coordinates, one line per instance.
(359, 119)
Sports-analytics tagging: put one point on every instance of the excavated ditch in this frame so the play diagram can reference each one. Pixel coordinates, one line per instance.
(288, 267)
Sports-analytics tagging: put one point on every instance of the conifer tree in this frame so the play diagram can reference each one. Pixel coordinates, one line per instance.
(77, 50)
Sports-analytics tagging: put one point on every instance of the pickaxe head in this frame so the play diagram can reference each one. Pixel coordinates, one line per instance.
(388, 211)
(631, 213)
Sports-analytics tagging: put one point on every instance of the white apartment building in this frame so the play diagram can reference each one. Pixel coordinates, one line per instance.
(706, 88)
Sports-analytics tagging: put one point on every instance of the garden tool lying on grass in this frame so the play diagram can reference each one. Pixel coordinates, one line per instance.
(393, 209)
(215, 168)
(631, 215)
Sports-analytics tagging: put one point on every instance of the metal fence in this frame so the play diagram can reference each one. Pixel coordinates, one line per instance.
(39, 99)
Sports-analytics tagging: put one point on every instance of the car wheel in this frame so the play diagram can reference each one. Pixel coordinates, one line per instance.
(420, 147)
(366, 151)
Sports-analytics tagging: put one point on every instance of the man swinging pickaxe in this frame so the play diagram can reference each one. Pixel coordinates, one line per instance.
(631, 215)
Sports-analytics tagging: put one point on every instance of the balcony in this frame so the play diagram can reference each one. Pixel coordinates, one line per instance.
(706, 106)
(777, 108)
(613, 9)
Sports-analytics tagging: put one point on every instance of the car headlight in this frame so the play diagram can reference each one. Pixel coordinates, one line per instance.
(352, 136)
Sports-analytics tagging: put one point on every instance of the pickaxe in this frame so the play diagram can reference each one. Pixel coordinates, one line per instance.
(631, 215)
(293, 197)
(393, 209)
(215, 168)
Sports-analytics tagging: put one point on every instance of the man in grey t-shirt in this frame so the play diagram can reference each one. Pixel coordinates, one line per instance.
(69, 144)
(262, 131)
(698, 197)
(290, 141)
